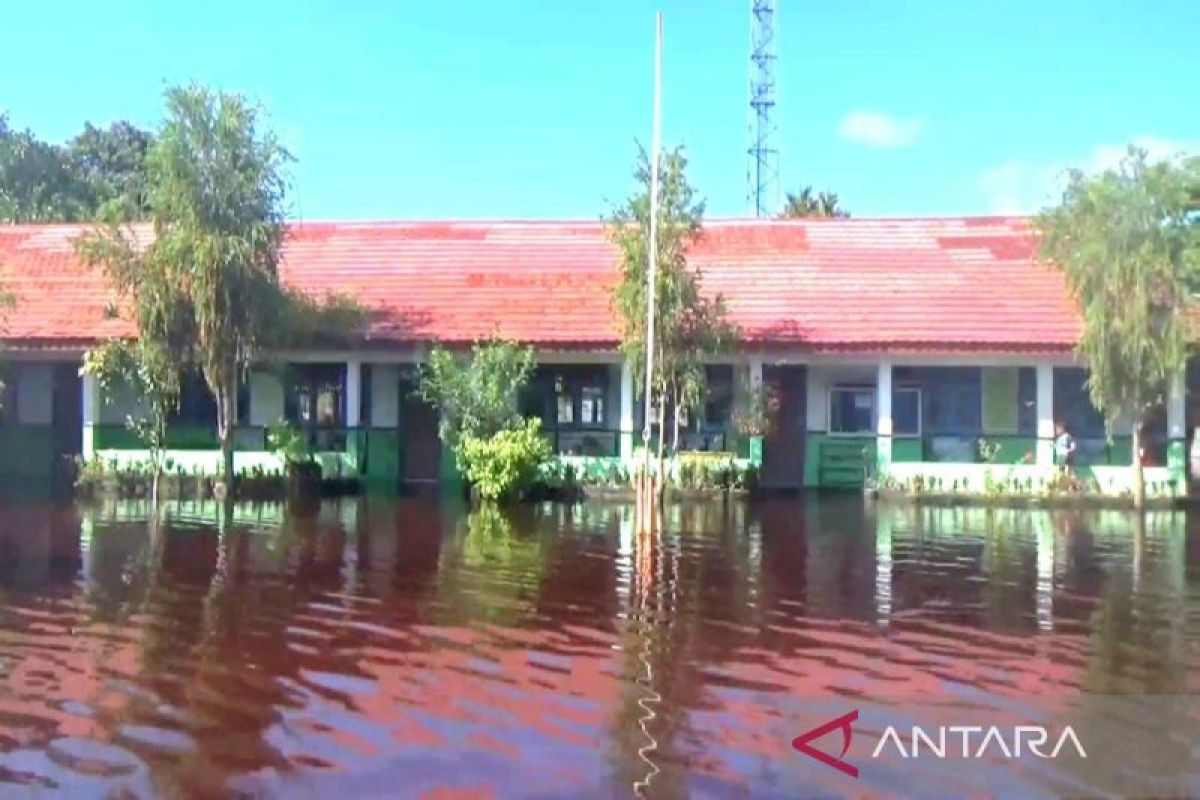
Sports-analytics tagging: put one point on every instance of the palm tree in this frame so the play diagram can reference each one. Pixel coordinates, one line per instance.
(808, 203)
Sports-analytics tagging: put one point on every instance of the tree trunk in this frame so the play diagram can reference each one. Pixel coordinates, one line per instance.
(675, 435)
(662, 435)
(225, 430)
(1139, 476)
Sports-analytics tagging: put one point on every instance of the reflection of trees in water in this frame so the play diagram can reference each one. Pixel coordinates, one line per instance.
(1138, 641)
(1134, 688)
(212, 631)
(491, 569)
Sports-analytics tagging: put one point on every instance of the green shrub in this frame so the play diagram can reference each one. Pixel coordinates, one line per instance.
(714, 472)
(505, 463)
(288, 442)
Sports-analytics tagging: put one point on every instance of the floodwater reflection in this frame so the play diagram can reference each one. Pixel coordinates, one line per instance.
(375, 647)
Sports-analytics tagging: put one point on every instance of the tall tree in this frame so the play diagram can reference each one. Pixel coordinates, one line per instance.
(111, 164)
(809, 203)
(688, 326)
(45, 182)
(1128, 243)
(36, 181)
(150, 366)
(216, 191)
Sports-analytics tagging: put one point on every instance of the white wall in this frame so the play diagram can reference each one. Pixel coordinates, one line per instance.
(385, 396)
(34, 384)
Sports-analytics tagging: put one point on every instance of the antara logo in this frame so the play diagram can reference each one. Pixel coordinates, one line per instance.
(802, 743)
(944, 741)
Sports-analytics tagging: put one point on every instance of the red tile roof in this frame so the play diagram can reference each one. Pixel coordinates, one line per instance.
(952, 284)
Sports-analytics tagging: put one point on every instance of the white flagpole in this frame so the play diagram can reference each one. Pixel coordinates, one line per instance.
(652, 273)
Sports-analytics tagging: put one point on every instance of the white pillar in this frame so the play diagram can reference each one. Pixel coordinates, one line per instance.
(1176, 427)
(756, 371)
(1045, 415)
(883, 415)
(90, 403)
(626, 410)
(1178, 447)
(353, 392)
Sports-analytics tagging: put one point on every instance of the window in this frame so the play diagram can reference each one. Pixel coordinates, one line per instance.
(591, 405)
(196, 403)
(718, 404)
(954, 405)
(315, 397)
(906, 411)
(852, 409)
(566, 409)
(569, 396)
(1073, 406)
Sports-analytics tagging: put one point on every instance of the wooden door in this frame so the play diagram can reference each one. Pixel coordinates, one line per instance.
(783, 446)
(418, 437)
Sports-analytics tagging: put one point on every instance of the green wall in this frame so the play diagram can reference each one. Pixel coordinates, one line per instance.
(837, 461)
(27, 451)
(385, 456)
(906, 449)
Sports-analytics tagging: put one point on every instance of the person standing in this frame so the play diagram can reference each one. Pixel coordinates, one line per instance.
(1064, 446)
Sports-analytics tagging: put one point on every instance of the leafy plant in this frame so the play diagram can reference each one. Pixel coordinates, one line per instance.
(289, 442)
(687, 325)
(754, 416)
(988, 450)
(1128, 244)
(477, 396)
(505, 463)
(149, 369)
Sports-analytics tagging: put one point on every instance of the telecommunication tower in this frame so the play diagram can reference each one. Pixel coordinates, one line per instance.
(762, 175)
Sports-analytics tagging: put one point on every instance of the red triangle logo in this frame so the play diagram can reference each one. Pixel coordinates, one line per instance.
(803, 743)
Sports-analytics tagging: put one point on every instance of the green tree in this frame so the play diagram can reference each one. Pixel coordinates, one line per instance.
(809, 203)
(477, 396)
(1129, 246)
(216, 192)
(150, 367)
(45, 182)
(497, 450)
(111, 165)
(36, 181)
(151, 373)
(688, 326)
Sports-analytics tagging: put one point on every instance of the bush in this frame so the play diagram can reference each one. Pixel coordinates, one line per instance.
(505, 463)
(714, 472)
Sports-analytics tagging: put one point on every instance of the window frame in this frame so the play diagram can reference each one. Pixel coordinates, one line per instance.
(920, 431)
(873, 391)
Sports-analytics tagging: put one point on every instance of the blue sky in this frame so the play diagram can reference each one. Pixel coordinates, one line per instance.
(528, 108)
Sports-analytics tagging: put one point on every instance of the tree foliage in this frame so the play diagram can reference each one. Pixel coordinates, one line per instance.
(100, 171)
(810, 203)
(111, 164)
(497, 450)
(506, 462)
(205, 288)
(1128, 243)
(688, 326)
(478, 396)
(147, 369)
(216, 191)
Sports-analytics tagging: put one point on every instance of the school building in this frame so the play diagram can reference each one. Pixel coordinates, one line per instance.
(907, 352)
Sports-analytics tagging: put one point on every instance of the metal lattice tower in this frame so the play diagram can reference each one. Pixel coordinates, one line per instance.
(762, 175)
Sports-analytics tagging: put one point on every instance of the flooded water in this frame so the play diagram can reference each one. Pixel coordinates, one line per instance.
(406, 648)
